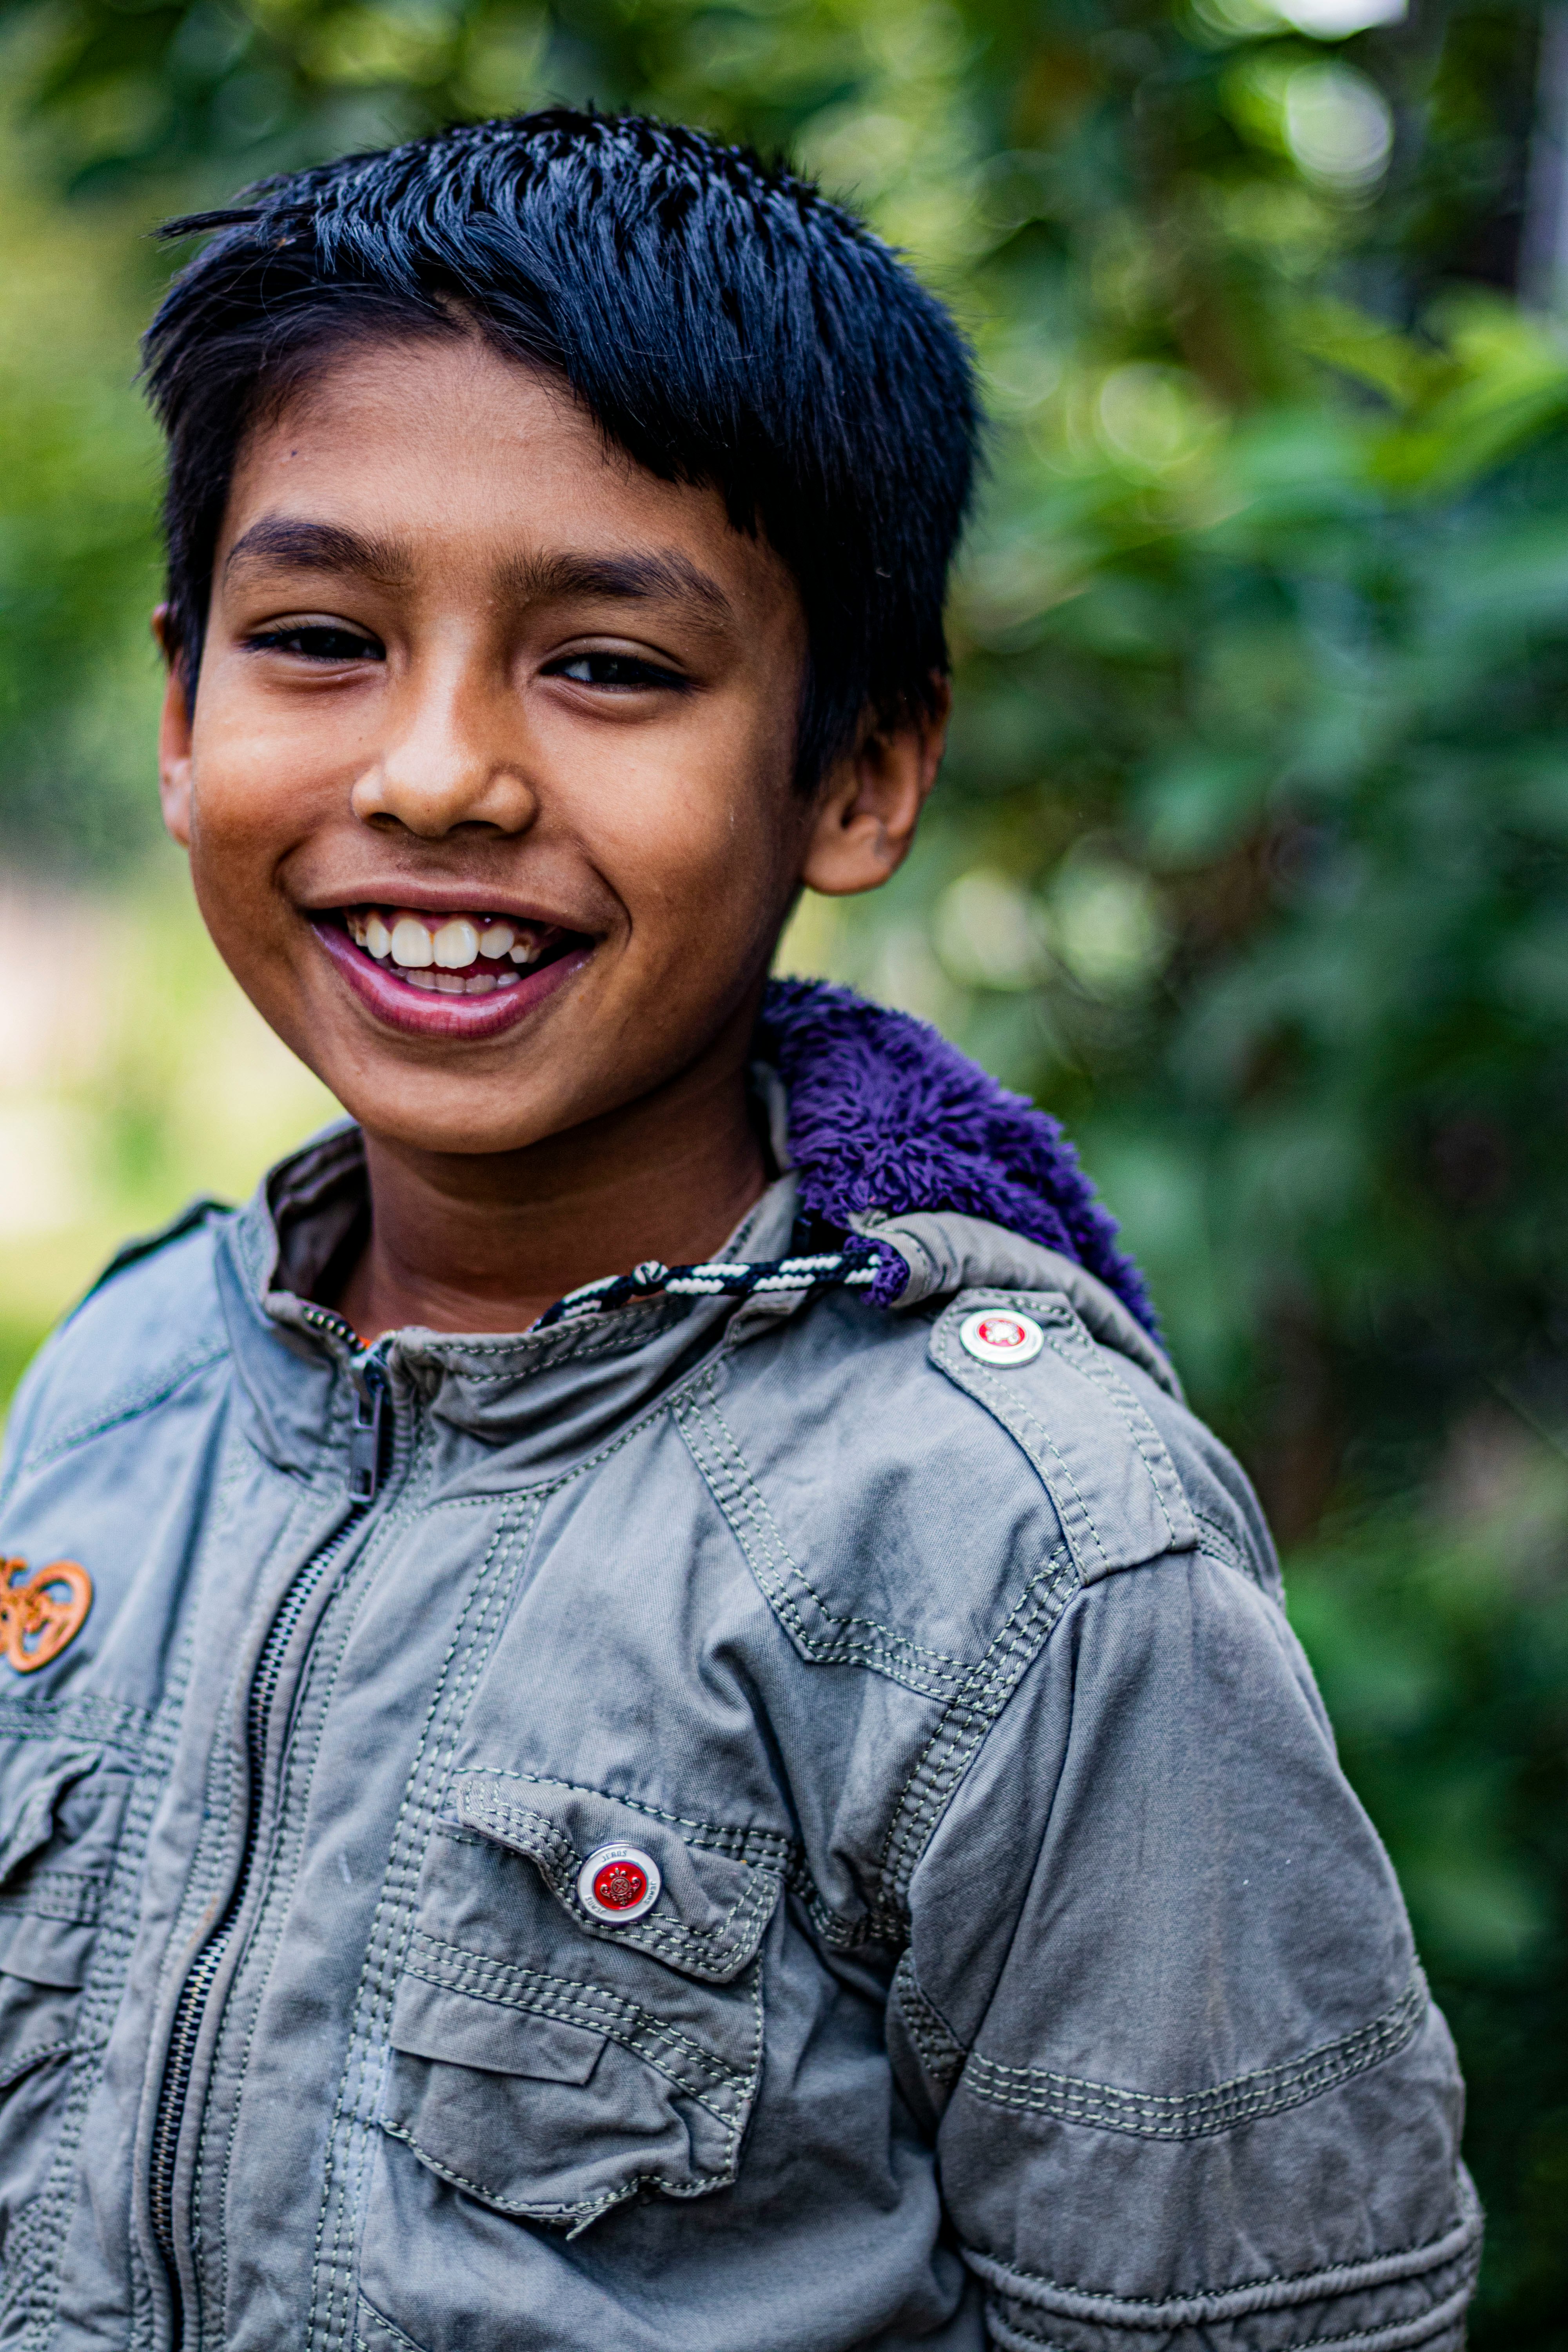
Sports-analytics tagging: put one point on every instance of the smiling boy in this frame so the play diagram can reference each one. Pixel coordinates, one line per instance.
(482, 951)
(636, 1714)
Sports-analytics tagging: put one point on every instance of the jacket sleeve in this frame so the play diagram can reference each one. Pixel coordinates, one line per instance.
(1162, 2008)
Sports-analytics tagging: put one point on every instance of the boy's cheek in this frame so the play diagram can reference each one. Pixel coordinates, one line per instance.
(239, 854)
(256, 794)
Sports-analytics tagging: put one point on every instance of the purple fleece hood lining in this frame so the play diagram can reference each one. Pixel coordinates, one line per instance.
(885, 1115)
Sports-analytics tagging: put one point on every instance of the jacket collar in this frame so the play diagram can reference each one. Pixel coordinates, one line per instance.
(578, 1380)
(881, 1129)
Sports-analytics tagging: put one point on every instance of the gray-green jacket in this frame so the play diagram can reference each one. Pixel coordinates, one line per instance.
(1020, 1967)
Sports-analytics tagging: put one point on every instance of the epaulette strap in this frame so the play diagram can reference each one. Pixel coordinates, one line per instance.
(195, 1213)
(850, 1269)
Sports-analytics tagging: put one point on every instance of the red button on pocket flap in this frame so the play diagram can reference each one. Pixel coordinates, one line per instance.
(711, 1906)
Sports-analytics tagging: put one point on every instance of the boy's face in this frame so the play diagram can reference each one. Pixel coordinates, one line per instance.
(488, 791)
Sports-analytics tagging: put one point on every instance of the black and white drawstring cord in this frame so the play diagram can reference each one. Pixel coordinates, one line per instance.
(825, 1269)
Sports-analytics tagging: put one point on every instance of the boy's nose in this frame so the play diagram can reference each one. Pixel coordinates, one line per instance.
(444, 768)
(432, 803)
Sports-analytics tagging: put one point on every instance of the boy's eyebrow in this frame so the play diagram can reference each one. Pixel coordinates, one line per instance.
(665, 572)
(319, 547)
(329, 547)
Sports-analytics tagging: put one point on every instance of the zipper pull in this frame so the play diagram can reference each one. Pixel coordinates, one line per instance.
(365, 1437)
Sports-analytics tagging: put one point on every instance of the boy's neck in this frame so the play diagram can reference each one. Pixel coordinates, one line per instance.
(486, 1242)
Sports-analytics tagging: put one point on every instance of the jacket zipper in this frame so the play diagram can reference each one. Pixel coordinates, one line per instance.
(372, 1421)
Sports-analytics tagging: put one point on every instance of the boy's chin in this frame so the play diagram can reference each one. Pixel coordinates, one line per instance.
(560, 1047)
(472, 1121)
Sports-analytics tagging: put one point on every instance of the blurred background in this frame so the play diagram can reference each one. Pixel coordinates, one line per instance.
(1251, 855)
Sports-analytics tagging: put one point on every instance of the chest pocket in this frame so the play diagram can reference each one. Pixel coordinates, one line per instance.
(60, 1815)
(553, 2063)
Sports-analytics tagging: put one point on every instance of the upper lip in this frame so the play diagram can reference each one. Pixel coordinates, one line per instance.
(449, 899)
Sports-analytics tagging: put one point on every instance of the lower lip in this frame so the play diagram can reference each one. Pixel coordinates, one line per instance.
(420, 1012)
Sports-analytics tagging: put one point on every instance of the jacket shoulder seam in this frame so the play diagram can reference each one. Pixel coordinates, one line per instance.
(128, 1406)
(832, 1639)
(938, 2049)
(967, 1719)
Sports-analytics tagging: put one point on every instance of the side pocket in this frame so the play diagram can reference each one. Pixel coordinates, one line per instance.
(61, 1810)
(59, 1826)
(551, 2062)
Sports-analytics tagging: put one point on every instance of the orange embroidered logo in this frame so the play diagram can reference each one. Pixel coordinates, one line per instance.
(41, 1614)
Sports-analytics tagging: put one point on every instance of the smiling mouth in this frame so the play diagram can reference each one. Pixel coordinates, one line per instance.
(475, 954)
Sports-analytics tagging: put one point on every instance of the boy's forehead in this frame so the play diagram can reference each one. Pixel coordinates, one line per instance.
(397, 458)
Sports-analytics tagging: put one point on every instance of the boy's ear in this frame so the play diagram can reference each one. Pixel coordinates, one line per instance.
(174, 736)
(869, 804)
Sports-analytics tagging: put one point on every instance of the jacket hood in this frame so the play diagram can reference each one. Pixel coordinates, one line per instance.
(886, 1118)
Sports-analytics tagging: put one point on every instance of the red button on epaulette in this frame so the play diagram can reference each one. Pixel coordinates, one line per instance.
(996, 1337)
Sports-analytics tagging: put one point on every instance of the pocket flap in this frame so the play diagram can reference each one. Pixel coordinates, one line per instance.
(62, 1805)
(46, 1952)
(435, 2021)
(713, 1906)
(27, 1805)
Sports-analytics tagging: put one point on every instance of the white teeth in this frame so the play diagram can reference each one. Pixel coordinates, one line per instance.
(411, 945)
(455, 945)
(452, 983)
(443, 958)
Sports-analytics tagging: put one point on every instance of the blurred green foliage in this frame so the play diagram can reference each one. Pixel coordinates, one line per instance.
(1251, 855)
(79, 471)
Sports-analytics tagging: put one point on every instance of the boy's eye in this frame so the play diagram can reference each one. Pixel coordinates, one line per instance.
(623, 670)
(320, 641)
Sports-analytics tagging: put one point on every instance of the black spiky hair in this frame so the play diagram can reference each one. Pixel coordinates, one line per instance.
(724, 322)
